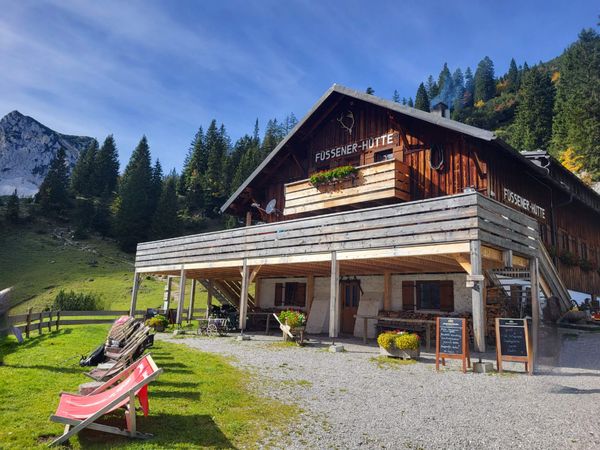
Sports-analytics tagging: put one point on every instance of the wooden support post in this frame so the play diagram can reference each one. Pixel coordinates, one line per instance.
(477, 297)
(244, 295)
(535, 307)
(49, 321)
(507, 258)
(57, 319)
(40, 320)
(134, 293)
(257, 292)
(182, 281)
(310, 293)
(334, 297)
(209, 296)
(387, 291)
(167, 295)
(248, 218)
(192, 298)
(28, 323)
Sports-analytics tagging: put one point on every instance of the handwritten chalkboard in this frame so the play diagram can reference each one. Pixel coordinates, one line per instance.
(451, 341)
(512, 343)
(512, 337)
(451, 336)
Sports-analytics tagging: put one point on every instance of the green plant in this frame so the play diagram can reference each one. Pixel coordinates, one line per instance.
(73, 301)
(568, 259)
(586, 265)
(293, 318)
(158, 321)
(336, 174)
(401, 340)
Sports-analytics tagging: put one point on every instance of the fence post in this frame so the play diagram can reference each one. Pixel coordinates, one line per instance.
(28, 323)
(41, 318)
(57, 318)
(49, 321)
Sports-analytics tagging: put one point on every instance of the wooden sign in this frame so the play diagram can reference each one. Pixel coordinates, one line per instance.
(451, 341)
(512, 343)
(372, 143)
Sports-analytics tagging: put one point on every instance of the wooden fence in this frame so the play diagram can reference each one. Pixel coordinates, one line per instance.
(31, 322)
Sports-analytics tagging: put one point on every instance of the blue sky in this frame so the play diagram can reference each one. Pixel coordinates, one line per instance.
(163, 68)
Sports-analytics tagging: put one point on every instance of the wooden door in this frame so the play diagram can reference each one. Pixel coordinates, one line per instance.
(350, 297)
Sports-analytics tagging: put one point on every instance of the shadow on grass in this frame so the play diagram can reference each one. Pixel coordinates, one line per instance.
(58, 369)
(170, 431)
(188, 395)
(180, 384)
(8, 346)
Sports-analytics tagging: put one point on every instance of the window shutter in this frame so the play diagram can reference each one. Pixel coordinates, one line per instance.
(408, 295)
(300, 299)
(447, 295)
(278, 294)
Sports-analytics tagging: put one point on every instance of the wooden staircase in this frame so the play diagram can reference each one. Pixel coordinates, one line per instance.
(228, 292)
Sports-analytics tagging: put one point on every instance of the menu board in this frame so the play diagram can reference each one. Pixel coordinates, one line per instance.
(451, 336)
(512, 342)
(451, 341)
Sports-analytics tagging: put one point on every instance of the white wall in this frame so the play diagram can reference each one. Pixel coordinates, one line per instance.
(372, 287)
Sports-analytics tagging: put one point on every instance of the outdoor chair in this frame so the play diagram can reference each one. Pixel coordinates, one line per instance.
(133, 348)
(82, 411)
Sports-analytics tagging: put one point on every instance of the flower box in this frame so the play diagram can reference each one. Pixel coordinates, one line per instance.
(400, 353)
(399, 344)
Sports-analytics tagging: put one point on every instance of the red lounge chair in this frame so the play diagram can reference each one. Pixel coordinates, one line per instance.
(81, 411)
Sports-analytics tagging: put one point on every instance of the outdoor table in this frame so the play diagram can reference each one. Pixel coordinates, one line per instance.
(429, 324)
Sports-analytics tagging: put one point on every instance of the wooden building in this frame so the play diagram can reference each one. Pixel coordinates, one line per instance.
(424, 216)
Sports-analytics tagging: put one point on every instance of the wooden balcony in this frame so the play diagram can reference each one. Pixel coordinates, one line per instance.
(381, 181)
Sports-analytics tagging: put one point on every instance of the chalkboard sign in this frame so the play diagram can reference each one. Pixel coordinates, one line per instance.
(451, 341)
(512, 342)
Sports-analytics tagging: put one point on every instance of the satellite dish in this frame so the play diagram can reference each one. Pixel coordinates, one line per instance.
(271, 206)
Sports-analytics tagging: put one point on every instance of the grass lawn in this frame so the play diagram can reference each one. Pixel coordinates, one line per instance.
(39, 265)
(200, 400)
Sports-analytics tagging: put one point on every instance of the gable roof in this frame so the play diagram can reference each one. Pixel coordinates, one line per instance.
(435, 119)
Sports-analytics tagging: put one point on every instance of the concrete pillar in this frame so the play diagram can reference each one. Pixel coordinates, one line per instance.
(244, 295)
(478, 286)
(134, 293)
(182, 281)
(334, 297)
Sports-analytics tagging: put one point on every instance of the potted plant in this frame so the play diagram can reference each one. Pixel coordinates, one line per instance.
(158, 322)
(399, 344)
(293, 319)
(333, 176)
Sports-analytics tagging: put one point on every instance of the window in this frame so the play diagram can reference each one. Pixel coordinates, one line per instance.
(435, 295)
(290, 294)
(384, 155)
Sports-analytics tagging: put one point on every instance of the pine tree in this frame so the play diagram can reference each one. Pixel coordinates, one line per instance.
(458, 82)
(83, 177)
(107, 169)
(194, 168)
(422, 100)
(289, 123)
(410, 102)
(512, 77)
(53, 195)
(214, 182)
(157, 183)
(404, 101)
(12, 208)
(396, 96)
(577, 111)
(469, 88)
(443, 77)
(255, 134)
(533, 120)
(133, 205)
(485, 85)
(370, 91)
(250, 159)
(165, 222)
(432, 88)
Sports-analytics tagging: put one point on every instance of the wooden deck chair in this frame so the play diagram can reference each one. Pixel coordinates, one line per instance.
(120, 327)
(82, 411)
(127, 352)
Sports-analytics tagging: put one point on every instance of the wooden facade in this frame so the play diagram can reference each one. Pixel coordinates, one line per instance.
(439, 157)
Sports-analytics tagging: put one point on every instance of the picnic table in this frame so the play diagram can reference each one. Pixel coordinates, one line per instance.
(396, 322)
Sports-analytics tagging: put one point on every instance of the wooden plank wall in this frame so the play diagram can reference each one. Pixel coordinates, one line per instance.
(458, 218)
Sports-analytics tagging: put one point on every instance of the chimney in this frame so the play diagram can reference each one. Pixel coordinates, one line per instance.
(441, 109)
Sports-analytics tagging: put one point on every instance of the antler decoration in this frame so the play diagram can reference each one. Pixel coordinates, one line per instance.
(349, 115)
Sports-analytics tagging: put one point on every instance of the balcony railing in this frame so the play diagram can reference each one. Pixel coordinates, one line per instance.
(373, 182)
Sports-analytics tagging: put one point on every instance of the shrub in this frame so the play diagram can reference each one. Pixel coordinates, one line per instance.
(586, 265)
(568, 259)
(328, 176)
(293, 318)
(402, 340)
(72, 301)
(158, 321)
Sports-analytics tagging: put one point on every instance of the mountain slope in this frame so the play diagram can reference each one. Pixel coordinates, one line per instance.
(26, 149)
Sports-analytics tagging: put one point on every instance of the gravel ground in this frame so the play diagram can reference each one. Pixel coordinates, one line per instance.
(354, 399)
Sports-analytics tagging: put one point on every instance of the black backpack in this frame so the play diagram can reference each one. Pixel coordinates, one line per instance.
(94, 358)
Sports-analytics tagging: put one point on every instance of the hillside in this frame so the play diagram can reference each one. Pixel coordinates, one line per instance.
(26, 149)
(40, 260)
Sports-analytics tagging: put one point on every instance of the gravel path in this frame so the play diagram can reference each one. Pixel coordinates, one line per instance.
(353, 399)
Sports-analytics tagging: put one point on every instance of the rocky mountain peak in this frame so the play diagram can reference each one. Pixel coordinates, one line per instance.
(26, 149)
